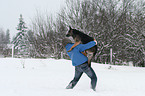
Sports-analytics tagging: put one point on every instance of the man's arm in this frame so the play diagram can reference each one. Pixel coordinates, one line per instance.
(88, 45)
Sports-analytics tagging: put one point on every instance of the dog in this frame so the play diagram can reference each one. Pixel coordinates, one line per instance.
(80, 37)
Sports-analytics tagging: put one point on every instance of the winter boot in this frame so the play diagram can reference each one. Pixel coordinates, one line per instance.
(70, 86)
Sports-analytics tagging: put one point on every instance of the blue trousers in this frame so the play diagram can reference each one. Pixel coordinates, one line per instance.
(84, 68)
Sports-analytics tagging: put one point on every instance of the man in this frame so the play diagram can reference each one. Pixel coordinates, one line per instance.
(80, 62)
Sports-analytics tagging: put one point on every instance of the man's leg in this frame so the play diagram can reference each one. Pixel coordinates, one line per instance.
(77, 76)
(91, 74)
(93, 77)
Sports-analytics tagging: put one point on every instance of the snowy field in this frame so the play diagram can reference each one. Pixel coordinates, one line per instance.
(49, 77)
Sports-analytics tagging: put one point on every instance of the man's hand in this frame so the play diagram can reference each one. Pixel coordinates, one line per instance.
(95, 41)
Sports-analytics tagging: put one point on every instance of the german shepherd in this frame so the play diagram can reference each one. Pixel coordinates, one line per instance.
(80, 37)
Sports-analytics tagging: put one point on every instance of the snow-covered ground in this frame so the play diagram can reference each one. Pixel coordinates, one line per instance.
(49, 77)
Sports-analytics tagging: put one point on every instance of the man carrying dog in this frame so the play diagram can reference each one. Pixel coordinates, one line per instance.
(80, 62)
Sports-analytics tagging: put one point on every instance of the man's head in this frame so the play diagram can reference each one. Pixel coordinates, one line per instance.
(66, 41)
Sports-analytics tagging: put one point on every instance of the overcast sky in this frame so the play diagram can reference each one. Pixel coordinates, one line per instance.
(10, 11)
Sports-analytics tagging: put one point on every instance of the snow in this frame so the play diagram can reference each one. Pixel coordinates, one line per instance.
(49, 77)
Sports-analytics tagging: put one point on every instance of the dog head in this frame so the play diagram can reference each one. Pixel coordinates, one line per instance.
(70, 32)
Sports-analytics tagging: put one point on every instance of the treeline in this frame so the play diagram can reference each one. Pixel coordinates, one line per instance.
(116, 24)
(4, 40)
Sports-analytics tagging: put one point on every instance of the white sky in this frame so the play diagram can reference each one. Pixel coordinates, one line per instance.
(10, 11)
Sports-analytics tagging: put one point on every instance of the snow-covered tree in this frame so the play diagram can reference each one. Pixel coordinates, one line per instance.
(7, 36)
(21, 42)
(4, 41)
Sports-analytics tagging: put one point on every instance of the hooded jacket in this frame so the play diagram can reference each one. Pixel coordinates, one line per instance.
(75, 54)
